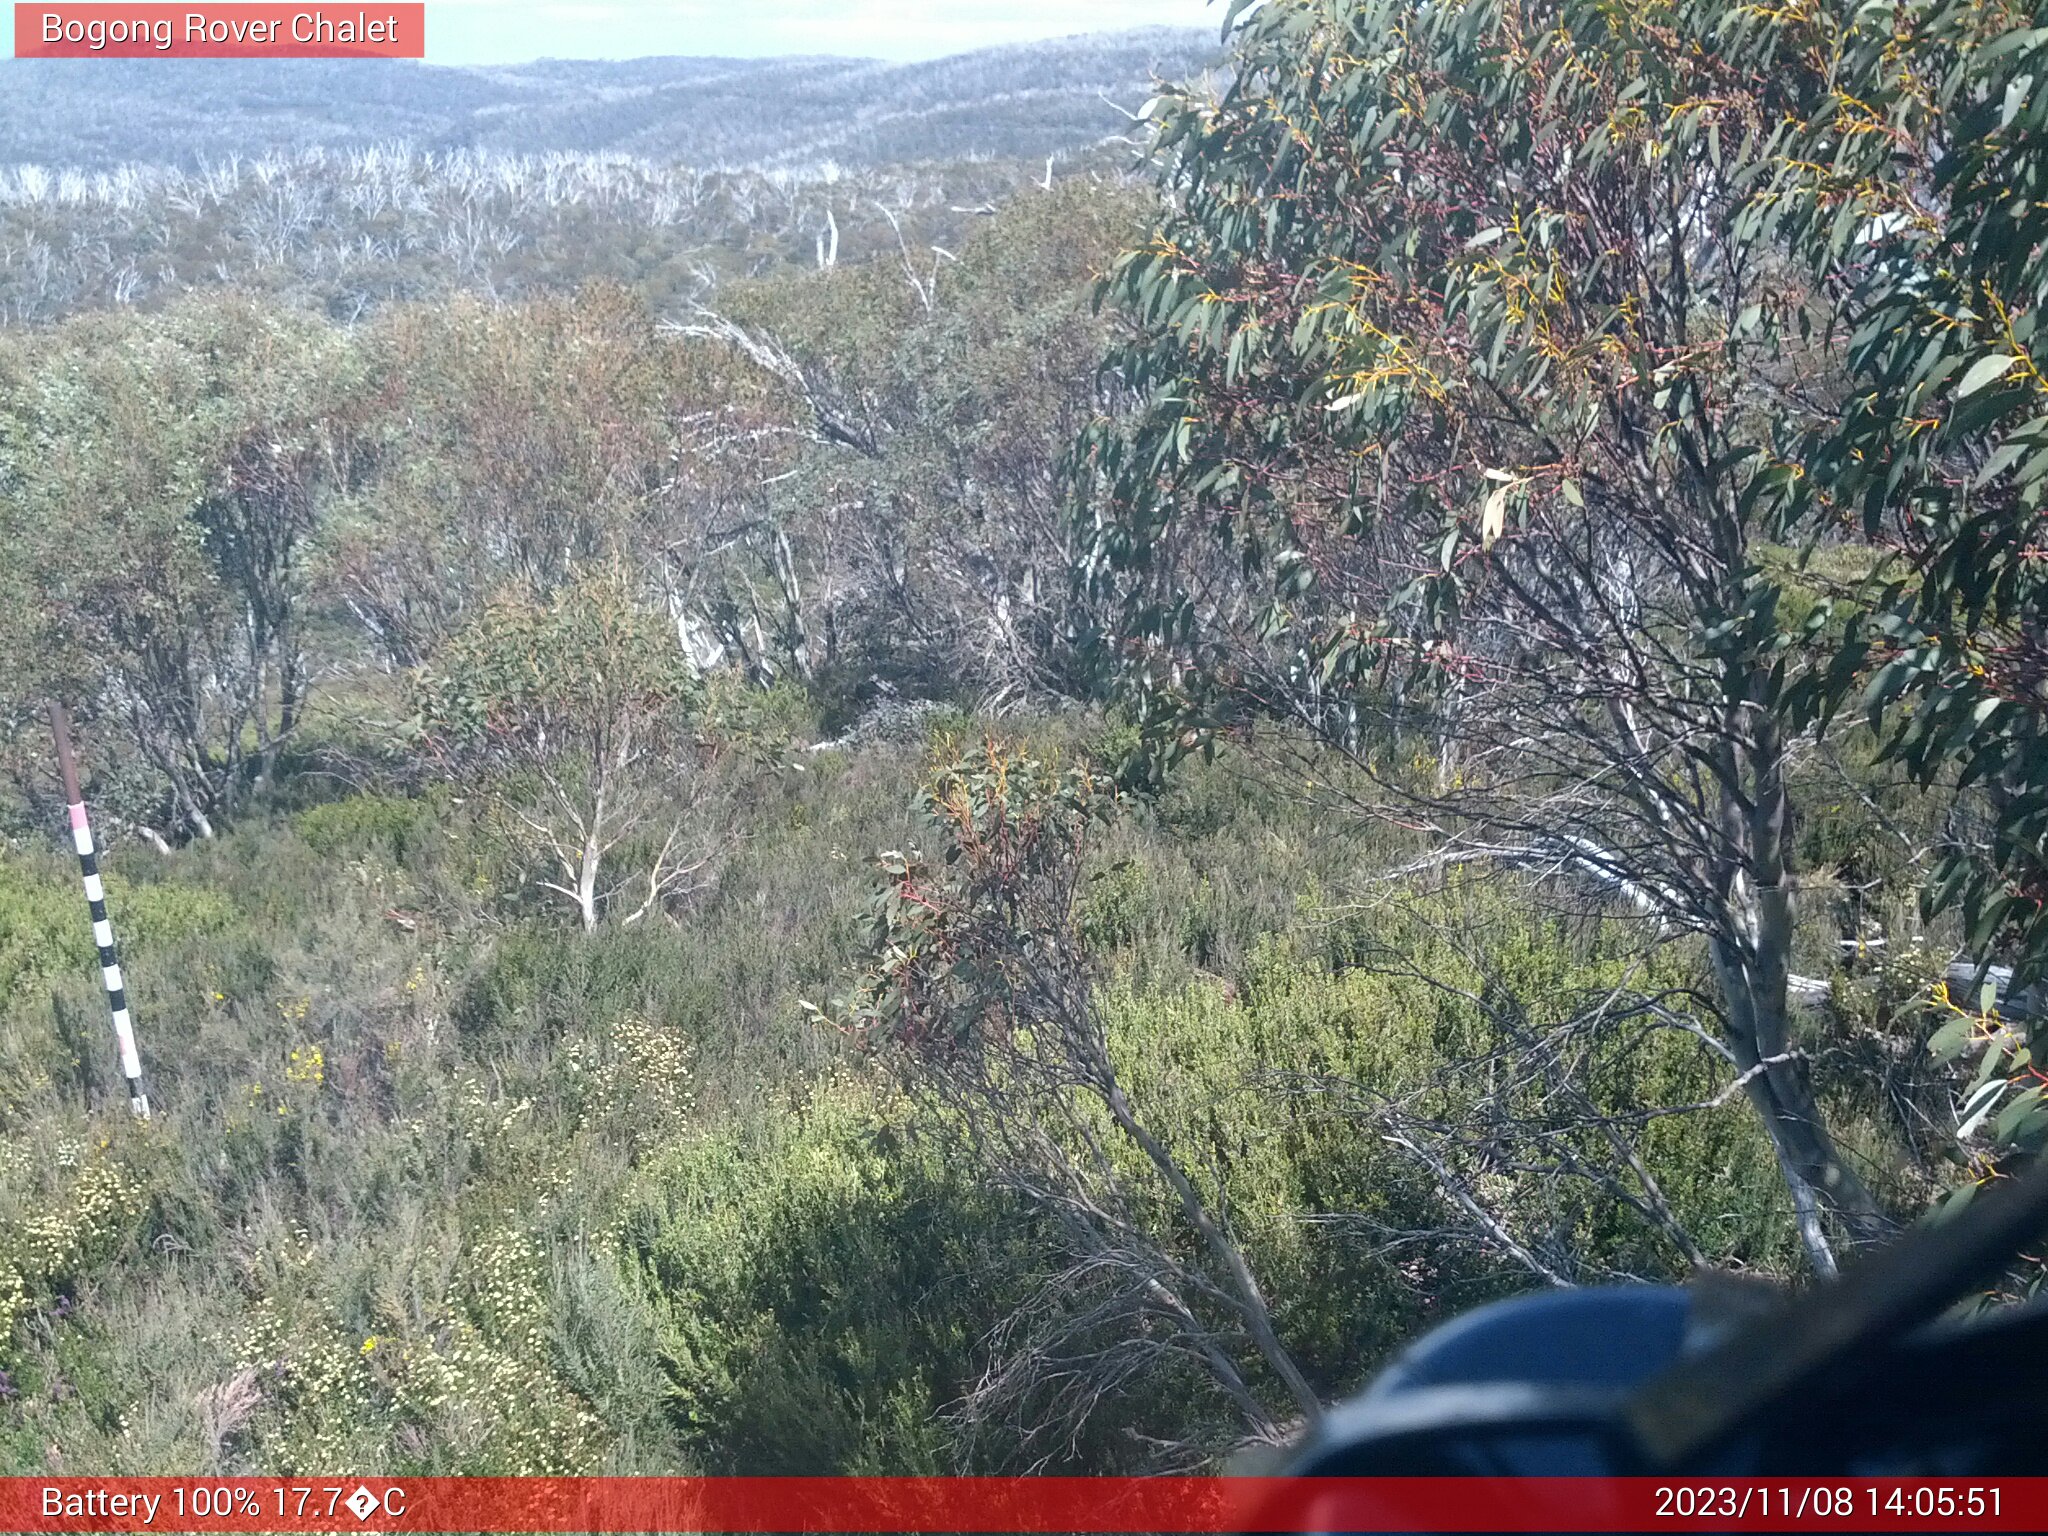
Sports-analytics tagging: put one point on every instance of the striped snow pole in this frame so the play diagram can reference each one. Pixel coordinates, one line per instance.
(102, 930)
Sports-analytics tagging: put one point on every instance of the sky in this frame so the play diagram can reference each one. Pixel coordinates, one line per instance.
(514, 31)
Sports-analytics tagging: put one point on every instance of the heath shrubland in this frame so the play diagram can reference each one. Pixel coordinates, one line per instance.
(473, 1192)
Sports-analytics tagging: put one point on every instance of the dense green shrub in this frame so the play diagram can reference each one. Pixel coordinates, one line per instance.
(819, 1273)
(360, 825)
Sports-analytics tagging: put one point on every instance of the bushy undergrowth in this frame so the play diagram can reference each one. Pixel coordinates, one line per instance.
(438, 1185)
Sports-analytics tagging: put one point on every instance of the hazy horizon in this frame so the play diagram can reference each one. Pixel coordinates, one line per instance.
(503, 32)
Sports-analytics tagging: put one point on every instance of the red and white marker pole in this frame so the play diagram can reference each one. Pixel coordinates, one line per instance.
(102, 930)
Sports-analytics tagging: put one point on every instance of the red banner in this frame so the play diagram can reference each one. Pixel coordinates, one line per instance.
(166, 1506)
(376, 31)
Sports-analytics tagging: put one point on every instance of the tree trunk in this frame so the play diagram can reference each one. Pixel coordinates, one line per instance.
(592, 856)
(188, 806)
(259, 712)
(586, 885)
(285, 664)
(1752, 961)
(1251, 1300)
(793, 606)
(1779, 1086)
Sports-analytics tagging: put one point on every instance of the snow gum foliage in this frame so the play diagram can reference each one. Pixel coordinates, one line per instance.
(1495, 356)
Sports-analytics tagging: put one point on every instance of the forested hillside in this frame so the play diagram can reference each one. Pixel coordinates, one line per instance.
(1023, 101)
(346, 233)
(348, 185)
(966, 819)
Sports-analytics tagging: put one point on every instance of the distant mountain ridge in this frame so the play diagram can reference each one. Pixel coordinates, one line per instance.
(1024, 100)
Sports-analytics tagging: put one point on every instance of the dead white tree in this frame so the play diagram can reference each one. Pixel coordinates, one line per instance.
(569, 723)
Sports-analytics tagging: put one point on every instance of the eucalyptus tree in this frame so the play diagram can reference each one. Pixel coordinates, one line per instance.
(1475, 374)
(571, 719)
(1917, 193)
(163, 481)
(514, 443)
(909, 523)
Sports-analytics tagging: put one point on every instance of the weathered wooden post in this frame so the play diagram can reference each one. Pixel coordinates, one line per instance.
(96, 901)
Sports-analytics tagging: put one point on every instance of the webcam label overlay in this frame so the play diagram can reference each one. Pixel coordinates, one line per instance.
(220, 32)
(1189, 1506)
